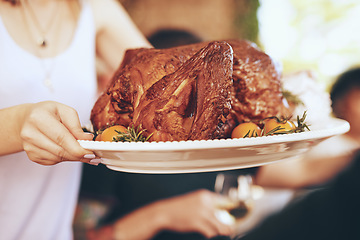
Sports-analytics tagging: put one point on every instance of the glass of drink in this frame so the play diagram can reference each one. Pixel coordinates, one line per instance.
(235, 197)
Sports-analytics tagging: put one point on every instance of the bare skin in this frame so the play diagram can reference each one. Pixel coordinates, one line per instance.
(47, 131)
(23, 22)
(112, 38)
(192, 212)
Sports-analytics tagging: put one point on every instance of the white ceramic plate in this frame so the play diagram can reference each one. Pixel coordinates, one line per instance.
(210, 155)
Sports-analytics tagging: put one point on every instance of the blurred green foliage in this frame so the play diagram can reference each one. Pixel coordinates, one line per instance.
(245, 21)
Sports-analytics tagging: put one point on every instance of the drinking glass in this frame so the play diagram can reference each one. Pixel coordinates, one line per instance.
(235, 197)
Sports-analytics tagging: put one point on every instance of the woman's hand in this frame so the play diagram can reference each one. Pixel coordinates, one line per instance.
(192, 212)
(46, 131)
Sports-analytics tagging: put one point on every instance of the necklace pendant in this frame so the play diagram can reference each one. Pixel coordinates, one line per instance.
(42, 43)
(47, 82)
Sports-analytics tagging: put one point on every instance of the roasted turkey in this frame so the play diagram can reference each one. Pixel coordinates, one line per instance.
(192, 92)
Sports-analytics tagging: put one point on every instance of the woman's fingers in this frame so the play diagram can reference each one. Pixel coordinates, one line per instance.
(48, 152)
(67, 117)
(54, 128)
(41, 156)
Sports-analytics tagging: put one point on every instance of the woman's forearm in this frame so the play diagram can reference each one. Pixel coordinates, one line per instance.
(10, 124)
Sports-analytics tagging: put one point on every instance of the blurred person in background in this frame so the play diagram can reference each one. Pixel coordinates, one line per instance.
(345, 96)
(329, 157)
(170, 201)
(330, 213)
(151, 206)
(47, 53)
(167, 38)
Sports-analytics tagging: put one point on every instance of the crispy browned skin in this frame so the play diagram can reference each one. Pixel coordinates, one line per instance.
(257, 88)
(255, 91)
(193, 102)
(140, 69)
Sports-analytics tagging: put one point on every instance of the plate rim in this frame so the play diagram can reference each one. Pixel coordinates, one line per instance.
(341, 126)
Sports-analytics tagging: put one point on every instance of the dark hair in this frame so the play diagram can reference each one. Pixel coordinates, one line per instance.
(13, 2)
(168, 38)
(347, 81)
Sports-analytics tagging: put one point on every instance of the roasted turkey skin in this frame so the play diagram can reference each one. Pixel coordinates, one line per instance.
(255, 89)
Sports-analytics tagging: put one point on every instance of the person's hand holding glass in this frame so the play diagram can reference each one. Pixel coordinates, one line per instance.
(235, 201)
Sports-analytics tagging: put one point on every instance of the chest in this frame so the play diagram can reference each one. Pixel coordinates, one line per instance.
(71, 71)
(29, 25)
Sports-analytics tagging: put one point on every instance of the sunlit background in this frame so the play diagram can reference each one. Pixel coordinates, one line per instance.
(322, 35)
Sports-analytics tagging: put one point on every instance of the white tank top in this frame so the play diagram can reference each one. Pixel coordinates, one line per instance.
(38, 202)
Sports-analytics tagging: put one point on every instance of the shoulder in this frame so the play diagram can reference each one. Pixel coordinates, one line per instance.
(106, 11)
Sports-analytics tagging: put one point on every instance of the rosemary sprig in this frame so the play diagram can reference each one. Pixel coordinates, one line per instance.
(274, 131)
(132, 134)
(290, 97)
(253, 134)
(301, 124)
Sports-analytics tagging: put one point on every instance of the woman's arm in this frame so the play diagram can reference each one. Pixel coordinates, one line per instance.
(115, 31)
(301, 173)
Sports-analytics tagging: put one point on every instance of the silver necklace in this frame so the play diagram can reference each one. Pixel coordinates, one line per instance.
(42, 30)
(48, 68)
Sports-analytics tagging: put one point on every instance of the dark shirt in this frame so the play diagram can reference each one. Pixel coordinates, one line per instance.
(332, 213)
(131, 191)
